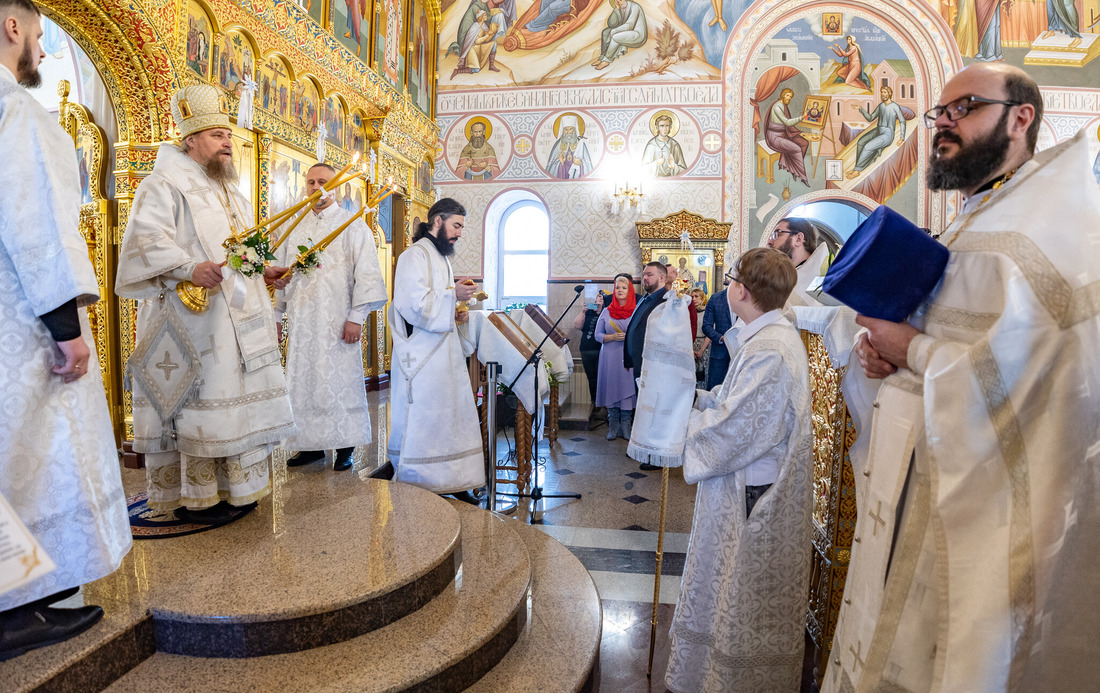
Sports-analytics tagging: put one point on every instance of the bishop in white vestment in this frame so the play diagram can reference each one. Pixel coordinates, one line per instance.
(325, 309)
(216, 445)
(59, 466)
(435, 437)
(740, 620)
(979, 528)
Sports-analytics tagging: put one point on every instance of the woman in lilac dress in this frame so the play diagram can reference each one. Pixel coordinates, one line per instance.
(614, 383)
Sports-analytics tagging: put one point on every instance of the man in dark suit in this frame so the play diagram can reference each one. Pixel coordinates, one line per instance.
(653, 284)
(716, 322)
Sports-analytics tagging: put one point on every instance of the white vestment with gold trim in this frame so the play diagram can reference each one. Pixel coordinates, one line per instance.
(435, 437)
(974, 567)
(240, 411)
(59, 467)
(324, 373)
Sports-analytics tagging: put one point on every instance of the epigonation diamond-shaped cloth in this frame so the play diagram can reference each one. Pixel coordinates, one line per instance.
(166, 365)
(666, 390)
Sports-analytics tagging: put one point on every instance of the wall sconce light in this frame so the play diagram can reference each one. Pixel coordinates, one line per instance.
(627, 197)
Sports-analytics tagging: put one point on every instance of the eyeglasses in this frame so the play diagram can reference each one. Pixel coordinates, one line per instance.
(960, 108)
(777, 232)
(731, 277)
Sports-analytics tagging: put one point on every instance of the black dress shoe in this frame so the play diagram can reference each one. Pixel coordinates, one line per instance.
(27, 627)
(647, 467)
(306, 457)
(215, 515)
(343, 459)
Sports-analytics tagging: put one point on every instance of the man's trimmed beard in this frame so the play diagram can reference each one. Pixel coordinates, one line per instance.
(973, 164)
(221, 171)
(446, 248)
(24, 69)
(786, 247)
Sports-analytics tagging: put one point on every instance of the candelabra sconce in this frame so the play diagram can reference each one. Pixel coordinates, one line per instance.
(629, 198)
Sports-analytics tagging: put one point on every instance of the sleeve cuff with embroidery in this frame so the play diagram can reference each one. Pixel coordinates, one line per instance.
(920, 350)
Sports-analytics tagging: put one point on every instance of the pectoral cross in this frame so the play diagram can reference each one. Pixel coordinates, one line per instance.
(876, 515)
(167, 366)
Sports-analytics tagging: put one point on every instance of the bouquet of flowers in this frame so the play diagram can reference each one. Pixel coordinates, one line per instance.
(250, 255)
(308, 260)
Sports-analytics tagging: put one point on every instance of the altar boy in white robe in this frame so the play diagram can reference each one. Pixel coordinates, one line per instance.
(325, 309)
(740, 619)
(59, 467)
(206, 441)
(435, 437)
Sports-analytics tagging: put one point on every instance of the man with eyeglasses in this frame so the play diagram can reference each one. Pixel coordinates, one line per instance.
(974, 558)
(797, 239)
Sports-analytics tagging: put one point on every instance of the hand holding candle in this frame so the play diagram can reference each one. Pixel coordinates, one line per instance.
(325, 241)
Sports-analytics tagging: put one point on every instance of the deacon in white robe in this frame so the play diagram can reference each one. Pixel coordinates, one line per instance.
(740, 620)
(435, 437)
(59, 466)
(325, 309)
(979, 527)
(216, 446)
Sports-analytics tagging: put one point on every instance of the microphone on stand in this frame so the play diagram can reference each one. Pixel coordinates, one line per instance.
(578, 288)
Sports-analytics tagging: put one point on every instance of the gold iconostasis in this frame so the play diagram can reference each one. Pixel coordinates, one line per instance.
(346, 77)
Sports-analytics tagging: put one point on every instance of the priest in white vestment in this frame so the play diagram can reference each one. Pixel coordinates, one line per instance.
(979, 528)
(59, 466)
(212, 443)
(435, 436)
(798, 239)
(325, 309)
(740, 620)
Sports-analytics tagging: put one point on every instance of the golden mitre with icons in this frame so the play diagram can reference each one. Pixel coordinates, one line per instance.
(199, 107)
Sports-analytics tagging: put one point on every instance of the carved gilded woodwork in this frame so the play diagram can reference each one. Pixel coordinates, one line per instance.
(139, 49)
(834, 496)
(663, 237)
(95, 226)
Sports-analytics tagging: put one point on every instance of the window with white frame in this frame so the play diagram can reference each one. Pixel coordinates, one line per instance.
(524, 254)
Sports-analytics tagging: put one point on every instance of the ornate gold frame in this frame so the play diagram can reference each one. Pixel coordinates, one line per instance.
(665, 233)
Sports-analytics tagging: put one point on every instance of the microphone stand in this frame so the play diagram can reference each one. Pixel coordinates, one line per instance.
(536, 356)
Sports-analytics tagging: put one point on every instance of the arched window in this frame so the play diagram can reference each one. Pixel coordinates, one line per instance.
(524, 255)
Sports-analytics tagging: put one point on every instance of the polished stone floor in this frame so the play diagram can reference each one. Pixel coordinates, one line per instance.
(611, 529)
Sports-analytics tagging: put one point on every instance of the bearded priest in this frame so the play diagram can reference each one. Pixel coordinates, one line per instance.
(435, 438)
(210, 401)
(58, 461)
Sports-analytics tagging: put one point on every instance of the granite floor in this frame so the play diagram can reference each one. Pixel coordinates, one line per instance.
(611, 529)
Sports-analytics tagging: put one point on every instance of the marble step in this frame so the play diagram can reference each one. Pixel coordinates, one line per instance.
(316, 565)
(559, 649)
(447, 645)
(325, 558)
(91, 661)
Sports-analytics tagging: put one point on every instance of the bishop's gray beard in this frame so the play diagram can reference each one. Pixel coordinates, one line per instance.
(973, 164)
(570, 140)
(24, 69)
(221, 171)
